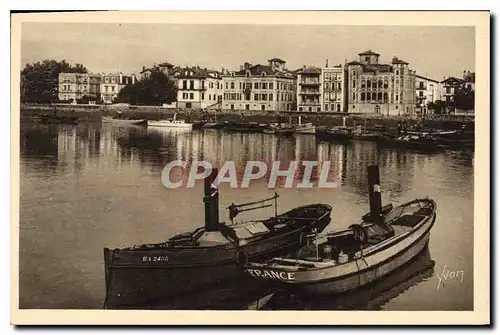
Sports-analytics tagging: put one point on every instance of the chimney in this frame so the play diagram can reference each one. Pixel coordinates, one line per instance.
(241, 67)
(326, 63)
(211, 200)
(374, 193)
(247, 65)
(143, 68)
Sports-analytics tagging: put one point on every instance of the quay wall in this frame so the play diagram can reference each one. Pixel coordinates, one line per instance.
(94, 113)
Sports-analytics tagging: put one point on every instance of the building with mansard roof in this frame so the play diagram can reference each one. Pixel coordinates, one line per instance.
(198, 88)
(259, 87)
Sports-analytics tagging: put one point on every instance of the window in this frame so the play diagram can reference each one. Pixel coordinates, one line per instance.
(191, 84)
(310, 109)
(362, 96)
(247, 106)
(241, 85)
(363, 84)
(191, 96)
(397, 72)
(385, 96)
(339, 86)
(184, 84)
(374, 84)
(326, 107)
(112, 88)
(264, 86)
(421, 93)
(247, 73)
(354, 73)
(264, 97)
(256, 97)
(386, 84)
(247, 96)
(263, 74)
(397, 97)
(300, 109)
(354, 96)
(226, 85)
(338, 107)
(210, 97)
(202, 96)
(256, 86)
(232, 85)
(188, 105)
(374, 96)
(106, 88)
(379, 96)
(232, 107)
(397, 106)
(270, 97)
(354, 84)
(202, 85)
(369, 83)
(380, 83)
(367, 58)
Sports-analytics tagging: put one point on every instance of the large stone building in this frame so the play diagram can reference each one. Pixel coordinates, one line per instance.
(198, 88)
(259, 87)
(309, 89)
(333, 94)
(112, 84)
(74, 86)
(388, 89)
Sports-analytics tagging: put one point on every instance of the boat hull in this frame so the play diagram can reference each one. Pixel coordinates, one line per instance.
(306, 130)
(123, 122)
(144, 277)
(163, 124)
(354, 274)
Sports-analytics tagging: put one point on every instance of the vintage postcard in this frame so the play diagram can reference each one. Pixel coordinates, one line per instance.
(284, 167)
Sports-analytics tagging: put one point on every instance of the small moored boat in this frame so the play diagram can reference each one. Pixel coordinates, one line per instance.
(384, 240)
(187, 262)
(174, 123)
(122, 122)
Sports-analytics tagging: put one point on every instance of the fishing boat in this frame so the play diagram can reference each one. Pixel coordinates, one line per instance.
(383, 240)
(335, 134)
(409, 142)
(243, 127)
(207, 256)
(123, 122)
(279, 129)
(174, 123)
(305, 128)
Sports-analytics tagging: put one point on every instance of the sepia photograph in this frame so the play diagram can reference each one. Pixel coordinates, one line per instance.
(250, 161)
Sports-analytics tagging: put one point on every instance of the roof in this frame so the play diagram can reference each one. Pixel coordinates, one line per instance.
(355, 62)
(259, 69)
(166, 64)
(396, 60)
(368, 52)
(277, 59)
(309, 70)
(429, 79)
(452, 80)
(377, 68)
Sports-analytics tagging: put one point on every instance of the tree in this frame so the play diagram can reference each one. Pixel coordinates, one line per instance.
(156, 89)
(39, 81)
(463, 97)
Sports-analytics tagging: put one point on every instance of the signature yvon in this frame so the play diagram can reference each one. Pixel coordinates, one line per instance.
(447, 275)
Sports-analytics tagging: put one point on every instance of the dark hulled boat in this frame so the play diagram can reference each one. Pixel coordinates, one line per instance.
(136, 276)
(409, 142)
(335, 134)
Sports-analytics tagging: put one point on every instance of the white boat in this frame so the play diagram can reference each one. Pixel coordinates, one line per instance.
(170, 123)
(305, 128)
(383, 241)
(107, 119)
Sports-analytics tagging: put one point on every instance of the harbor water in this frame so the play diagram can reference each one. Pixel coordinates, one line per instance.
(86, 187)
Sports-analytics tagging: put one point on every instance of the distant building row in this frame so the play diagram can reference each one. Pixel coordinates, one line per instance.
(100, 87)
(361, 86)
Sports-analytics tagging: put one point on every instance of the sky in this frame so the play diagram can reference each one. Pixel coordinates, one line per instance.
(433, 51)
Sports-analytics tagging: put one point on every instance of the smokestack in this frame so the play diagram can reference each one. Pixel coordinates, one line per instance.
(326, 63)
(374, 193)
(211, 200)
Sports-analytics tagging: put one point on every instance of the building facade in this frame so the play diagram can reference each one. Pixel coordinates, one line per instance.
(427, 91)
(74, 86)
(333, 93)
(198, 88)
(259, 87)
(112, 84)
(388, 89)
(309, 89)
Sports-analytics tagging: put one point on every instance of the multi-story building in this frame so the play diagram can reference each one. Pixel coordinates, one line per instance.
(427, 90)
(74, 86)
(259, 87)
(333, 92)
(470, 80)
(309, 89)
(112, 84)
(372, 87)
(198, 88)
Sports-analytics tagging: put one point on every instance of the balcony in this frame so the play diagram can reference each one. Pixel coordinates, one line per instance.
(309, 83)
(310, 93)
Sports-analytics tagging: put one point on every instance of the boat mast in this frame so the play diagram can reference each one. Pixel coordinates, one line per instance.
(374, 193)
(211, 200)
